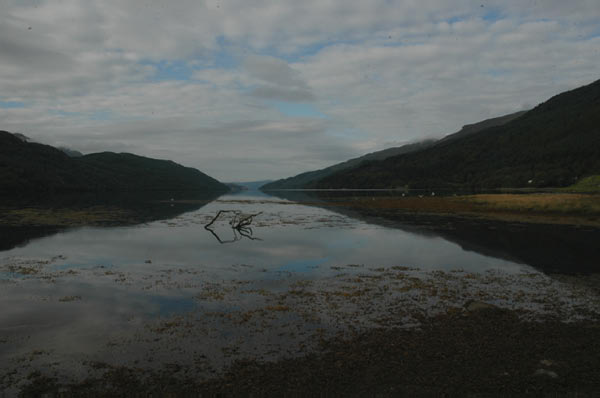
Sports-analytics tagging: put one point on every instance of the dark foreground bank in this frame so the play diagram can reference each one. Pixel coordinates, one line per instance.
(478, 353)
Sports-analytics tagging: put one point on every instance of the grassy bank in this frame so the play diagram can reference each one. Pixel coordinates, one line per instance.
(550, 208)
(64, 217)
(588, 184)
(77, 213)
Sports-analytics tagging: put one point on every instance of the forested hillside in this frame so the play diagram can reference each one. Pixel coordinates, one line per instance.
(553, 145)
(310, 179)
(30, 167)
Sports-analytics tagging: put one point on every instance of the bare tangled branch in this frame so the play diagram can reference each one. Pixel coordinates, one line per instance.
(207, 226)
(240, 223)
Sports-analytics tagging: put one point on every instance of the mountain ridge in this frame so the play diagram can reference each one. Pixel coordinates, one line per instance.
(552, 145)
(27, 167)
(310, 179)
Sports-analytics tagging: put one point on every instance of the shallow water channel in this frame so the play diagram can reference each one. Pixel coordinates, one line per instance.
(170, 293)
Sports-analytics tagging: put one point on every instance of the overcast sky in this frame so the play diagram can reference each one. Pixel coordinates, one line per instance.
(246, 90)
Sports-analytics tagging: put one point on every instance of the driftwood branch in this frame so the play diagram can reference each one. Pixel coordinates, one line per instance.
(240, 223)
(207, 226)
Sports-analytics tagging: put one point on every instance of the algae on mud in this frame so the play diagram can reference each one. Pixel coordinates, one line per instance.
(362, 340)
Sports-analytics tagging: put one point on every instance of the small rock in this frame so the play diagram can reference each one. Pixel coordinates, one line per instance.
(544, 372)
(547, 362)
(474, 305)
(148, 261)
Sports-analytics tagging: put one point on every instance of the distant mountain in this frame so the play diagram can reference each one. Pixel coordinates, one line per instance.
(551, 145)
(235, 187)
(35, 168)
(124, 171)
(469, 129)
(310, 179)
(252, 185)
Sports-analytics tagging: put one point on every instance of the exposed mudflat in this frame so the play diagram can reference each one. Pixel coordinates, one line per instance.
(351, 332)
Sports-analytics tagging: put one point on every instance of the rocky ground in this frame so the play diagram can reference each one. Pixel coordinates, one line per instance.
(485, 352)
(480, 352)
(363, 331)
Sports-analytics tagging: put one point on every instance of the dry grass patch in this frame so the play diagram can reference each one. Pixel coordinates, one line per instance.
(548, 208)
(545, 203)
(33, 216)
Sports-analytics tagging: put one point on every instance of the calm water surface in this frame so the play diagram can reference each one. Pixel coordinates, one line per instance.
(290, 237)
(107, 293)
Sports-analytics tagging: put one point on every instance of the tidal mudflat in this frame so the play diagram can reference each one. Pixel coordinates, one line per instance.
(94, 308)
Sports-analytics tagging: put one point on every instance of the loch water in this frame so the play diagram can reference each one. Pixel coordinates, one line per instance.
(171, 290)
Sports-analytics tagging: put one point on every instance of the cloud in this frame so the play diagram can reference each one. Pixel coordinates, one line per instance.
(203, 82)
(278, 81)
(290, 94)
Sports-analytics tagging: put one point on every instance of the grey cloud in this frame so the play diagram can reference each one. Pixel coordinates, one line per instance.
(283, 94)
(273, 70)
(278, 80)
(381, 71)
(242, 150)
(21, 54)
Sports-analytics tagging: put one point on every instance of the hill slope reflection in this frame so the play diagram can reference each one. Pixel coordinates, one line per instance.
(239, 223)
(550, 248)
(21, 223)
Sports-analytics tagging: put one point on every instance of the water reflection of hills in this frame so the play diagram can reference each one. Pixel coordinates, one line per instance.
(139, 209)
(549, 248)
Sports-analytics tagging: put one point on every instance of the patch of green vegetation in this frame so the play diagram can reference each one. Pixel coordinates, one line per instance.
(587, 184)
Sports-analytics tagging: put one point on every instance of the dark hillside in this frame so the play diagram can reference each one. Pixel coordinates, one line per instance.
(310, 179)
(469, 129)
(35, 167)
(30, 168)
(128, 172)
(552, 145)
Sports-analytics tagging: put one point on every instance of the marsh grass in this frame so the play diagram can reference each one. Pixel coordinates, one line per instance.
(548, 208)
(41, 216)
(544, 203)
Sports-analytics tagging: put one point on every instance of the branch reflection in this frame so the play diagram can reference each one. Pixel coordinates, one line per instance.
(239, 223)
